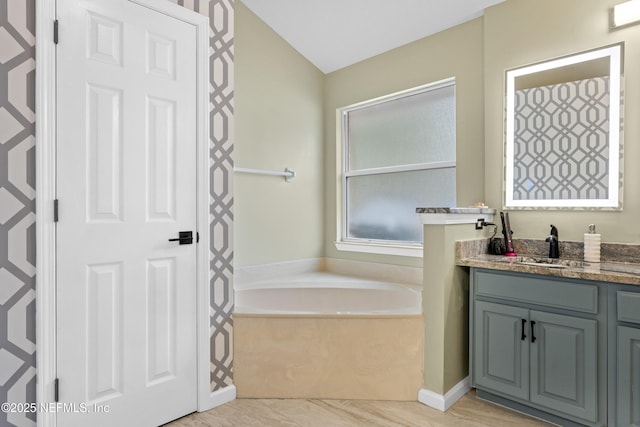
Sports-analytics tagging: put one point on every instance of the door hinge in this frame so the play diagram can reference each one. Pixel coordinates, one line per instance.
(55, 210)
(56, 390)
(55, 31)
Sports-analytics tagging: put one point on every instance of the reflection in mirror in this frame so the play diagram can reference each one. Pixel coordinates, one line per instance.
(563, 140)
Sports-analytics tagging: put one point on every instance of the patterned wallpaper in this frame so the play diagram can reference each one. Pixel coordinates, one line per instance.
(17, 198)
(561, 141)
(17, 207)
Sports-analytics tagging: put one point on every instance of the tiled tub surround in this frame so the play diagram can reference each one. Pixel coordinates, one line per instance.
(313, 346)
(375, 357)
(620, 263)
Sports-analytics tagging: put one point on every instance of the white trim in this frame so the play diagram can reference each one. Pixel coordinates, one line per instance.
(453, 218)
(398, 95)
(203, 332)
(402, 168)
(46, 336)
(217, 398)
(440, 402)
(374, 248)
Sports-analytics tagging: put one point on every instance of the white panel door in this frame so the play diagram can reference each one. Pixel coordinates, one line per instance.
(126, 160)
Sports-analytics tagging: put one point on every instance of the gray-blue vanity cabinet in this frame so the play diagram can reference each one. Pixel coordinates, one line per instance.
(564, 370)
(627, 318)
(628, 396)
(534, 340)
(501, 361)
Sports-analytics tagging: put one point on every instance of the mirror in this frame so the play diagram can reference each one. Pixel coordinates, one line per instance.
(563, 140)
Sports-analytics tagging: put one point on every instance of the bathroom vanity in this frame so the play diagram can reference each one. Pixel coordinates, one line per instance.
(625, 354)
(559, 341)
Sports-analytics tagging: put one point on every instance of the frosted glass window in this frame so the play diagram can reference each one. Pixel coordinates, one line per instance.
(383, 207)
(419, 128)
(399, 154)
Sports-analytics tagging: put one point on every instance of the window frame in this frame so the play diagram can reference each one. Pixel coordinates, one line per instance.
(390, 247)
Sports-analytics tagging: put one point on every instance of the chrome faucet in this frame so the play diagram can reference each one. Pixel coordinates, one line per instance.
(552, 238)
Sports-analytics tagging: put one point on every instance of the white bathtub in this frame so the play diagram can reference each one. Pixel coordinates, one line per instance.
(326, 293)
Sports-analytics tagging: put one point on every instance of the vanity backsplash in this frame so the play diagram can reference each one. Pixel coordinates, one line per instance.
(609, 252)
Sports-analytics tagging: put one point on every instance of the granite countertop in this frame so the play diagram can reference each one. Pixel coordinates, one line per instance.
(470, 210)
(614, 268)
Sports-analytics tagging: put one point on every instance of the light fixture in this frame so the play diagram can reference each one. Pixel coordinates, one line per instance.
(626, 13)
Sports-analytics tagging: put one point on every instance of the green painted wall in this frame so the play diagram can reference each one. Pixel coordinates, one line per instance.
(520, 32)
(278, 116)
(445, 304)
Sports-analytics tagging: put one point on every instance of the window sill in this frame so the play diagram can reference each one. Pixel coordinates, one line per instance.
(372, 248)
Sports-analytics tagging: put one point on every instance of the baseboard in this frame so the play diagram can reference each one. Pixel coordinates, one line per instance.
(218, 397)
(440, 402)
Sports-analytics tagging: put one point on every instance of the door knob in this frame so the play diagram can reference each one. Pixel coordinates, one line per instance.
(184, 238)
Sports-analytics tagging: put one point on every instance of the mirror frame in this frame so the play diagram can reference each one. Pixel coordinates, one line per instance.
(614, 201)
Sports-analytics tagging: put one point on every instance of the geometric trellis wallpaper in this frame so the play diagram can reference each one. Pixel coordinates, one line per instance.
(561, 141)
(17, 208)
(17, 198)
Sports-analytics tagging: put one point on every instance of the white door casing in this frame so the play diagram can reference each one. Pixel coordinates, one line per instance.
(135, 211)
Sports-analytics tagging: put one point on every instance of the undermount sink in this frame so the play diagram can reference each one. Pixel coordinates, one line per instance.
(547, 262)
(543, 264)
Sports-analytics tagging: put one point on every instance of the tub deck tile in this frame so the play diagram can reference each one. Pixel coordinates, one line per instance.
(328, 358)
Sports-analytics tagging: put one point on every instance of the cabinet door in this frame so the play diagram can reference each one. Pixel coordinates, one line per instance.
(564, 369)
(501, 356)
(628, 377)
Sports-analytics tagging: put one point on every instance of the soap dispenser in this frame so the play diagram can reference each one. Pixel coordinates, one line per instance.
(592, 245)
